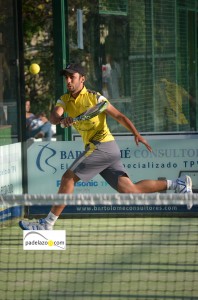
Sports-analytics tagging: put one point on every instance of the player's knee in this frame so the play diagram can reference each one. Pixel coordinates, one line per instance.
(125, 185)
(69, 176)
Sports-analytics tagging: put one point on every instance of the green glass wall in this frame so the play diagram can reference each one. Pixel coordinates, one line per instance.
(142, 55)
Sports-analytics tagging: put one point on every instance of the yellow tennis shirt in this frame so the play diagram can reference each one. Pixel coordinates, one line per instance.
(95, 129)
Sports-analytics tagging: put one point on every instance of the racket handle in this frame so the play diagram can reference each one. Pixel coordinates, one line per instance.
(74, 120)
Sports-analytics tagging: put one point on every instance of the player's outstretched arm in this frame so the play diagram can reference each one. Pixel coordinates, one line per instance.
(140, 139)
(124, 121)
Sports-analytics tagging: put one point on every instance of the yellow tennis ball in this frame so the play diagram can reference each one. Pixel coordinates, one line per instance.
(34, 69)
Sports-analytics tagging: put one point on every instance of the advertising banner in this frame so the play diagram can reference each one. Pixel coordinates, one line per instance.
(47, 161)
(10, 178)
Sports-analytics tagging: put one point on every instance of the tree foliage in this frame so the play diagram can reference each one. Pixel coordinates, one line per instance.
(39, 47)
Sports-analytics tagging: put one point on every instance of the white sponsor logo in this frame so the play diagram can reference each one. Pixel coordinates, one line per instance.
(44, 240)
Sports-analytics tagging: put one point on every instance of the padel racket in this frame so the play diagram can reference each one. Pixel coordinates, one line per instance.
(90, 113)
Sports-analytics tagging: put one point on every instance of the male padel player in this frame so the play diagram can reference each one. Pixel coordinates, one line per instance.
(101, 155)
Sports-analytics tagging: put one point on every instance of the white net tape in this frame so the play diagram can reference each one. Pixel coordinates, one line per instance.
(100, 199)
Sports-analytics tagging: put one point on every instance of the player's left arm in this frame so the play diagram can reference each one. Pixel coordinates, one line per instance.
(124, 121)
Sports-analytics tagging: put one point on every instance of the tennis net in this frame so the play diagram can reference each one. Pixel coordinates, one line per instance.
(113, 249)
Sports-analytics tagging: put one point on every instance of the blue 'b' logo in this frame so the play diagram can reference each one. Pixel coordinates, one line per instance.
(43, 158)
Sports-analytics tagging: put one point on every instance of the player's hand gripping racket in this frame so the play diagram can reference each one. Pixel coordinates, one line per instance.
(90, 113)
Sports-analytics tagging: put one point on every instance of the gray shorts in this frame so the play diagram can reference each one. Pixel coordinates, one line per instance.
(103, 159)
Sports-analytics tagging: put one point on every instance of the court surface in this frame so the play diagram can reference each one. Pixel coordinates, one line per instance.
(106, 258)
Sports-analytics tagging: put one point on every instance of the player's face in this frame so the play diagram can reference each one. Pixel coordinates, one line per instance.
(74, 82)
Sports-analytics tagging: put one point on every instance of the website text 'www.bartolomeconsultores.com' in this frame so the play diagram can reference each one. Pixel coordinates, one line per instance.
(125, 208)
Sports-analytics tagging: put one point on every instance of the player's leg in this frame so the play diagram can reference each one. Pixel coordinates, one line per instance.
(125, 185)
(85, 167)
(117, 177)
(89, 163)
(119, 180)
(66, 187)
